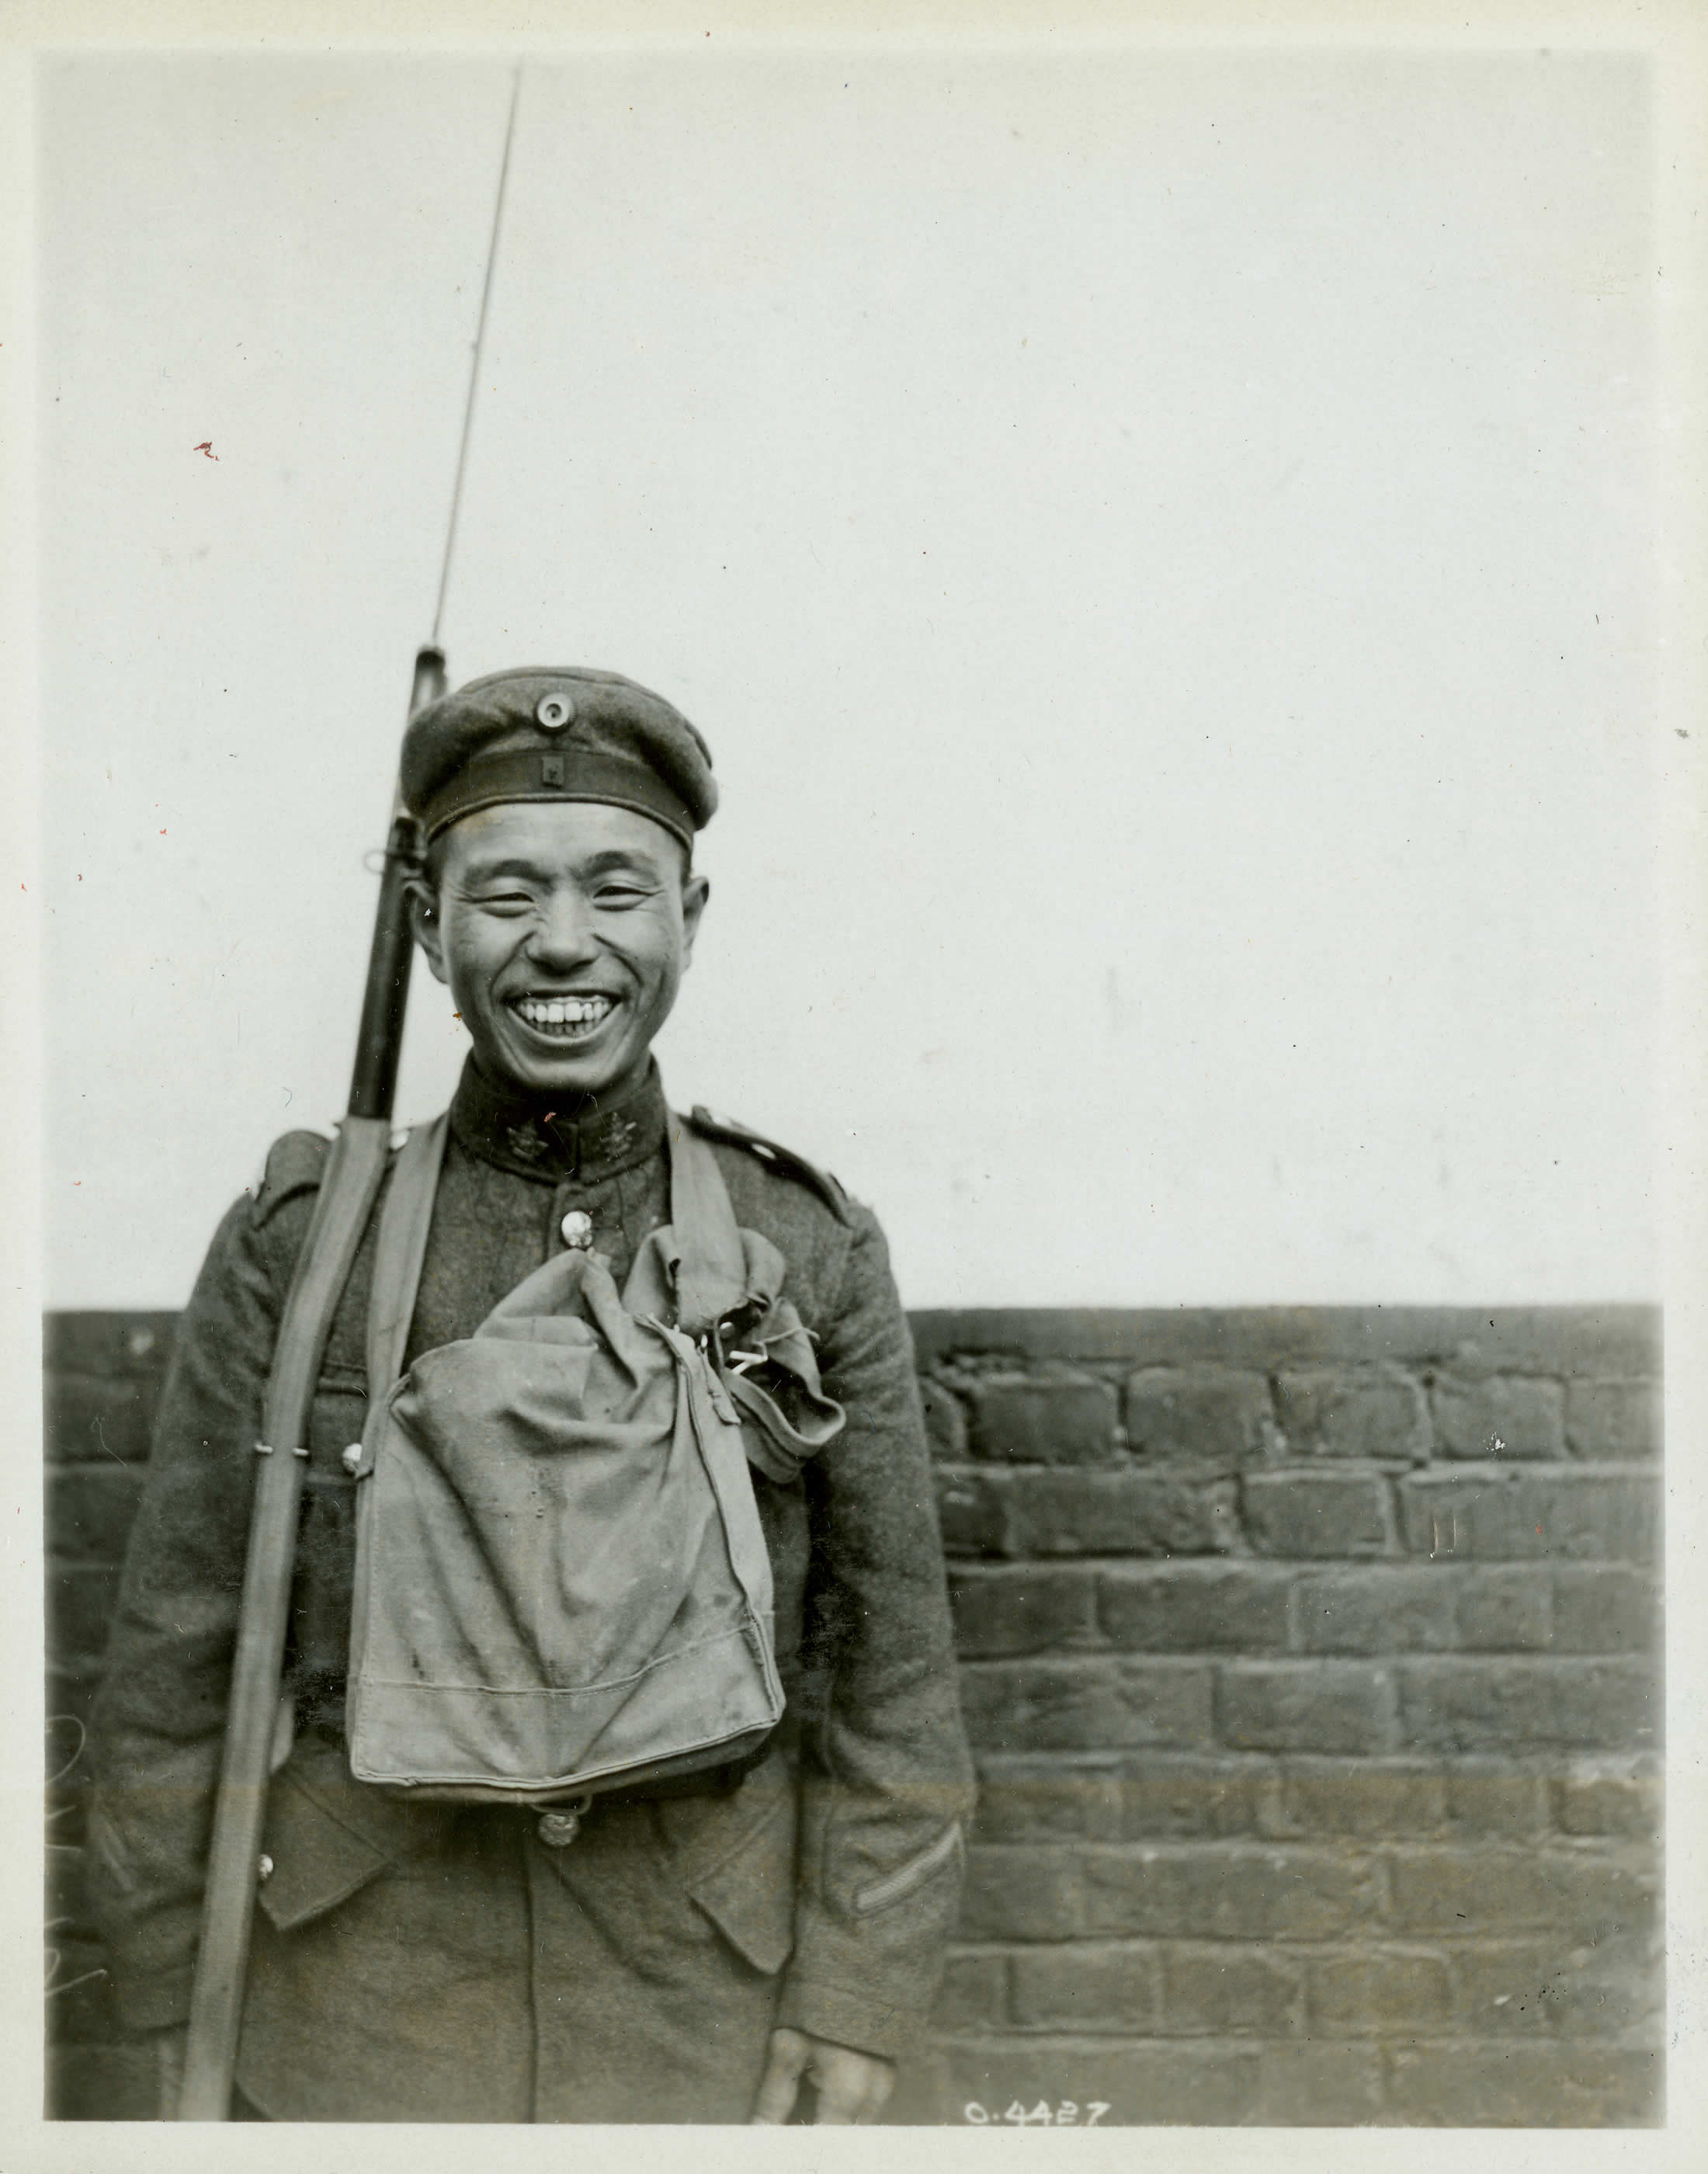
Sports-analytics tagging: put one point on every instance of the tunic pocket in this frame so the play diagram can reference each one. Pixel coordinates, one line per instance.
(325, 1837)
(311, 1862)
(747, 1889)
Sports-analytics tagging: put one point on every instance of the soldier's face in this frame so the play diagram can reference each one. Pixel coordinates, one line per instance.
(562, 929)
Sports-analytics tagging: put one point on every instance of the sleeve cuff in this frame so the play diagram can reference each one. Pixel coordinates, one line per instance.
(855, 2020)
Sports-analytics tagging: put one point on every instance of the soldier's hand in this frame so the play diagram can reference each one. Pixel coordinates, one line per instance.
(169, 2056)
(852, 2087)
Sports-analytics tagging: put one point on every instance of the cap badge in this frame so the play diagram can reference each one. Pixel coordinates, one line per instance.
(554, 711)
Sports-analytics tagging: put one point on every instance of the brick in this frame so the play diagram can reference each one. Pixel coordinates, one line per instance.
(1164, 1797)
(1379, 1992)
(1360, 1797)
(1304, 1705)
(67, 1908)
(1022, 1611)
(1021, 1893)
(70, 1694)
(1224, 1890)
(80, 2008)
(1511, 1704)
(1554, 1987)
(81, 1598)
(1488, 1888)
(1226, 1989)
(1608, 1804)
(971, 1513)
(87, 1420)
(1578, 1513)
(1023, 1801)
(1607, 1608)
(1195, 1606)
(974, 1990)
(1397, 1608)
(1024, 1420)
(945, 1422)
(1143, 2084)
(1090, 1986)
(1368, 1412)
(1505, 1610)
(89, 1510)
(1525, 2086)
(1084, 1706)
(109, 1344)
(1591, 1340)
(1491, 1799)
(1316, 1513)
(69, 1699)
(1505, 1415)
(1216, 1414)
(1319, 2085)
(1121, 1513)
(1614, 1420)
(103, 2083)
(921, 2098)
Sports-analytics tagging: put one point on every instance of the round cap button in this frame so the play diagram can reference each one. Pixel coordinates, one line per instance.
(577, 1227)
(558, 1829)
(554, 711)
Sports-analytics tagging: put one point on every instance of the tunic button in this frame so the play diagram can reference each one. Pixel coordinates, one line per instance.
(577, 1227)
(352, 1458)
(558, 1829)
(264, 1868)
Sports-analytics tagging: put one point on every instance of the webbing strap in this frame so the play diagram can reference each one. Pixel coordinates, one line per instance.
(399, 1250)
(710, 1271)
(710, 1267)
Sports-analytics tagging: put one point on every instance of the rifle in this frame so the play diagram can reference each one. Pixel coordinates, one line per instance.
(349, 1187)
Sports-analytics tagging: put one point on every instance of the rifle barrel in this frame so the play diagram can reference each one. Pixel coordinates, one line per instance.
(354, 1172)
(380, 1036)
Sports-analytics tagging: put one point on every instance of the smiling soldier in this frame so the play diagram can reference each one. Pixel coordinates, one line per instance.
(619, 1773)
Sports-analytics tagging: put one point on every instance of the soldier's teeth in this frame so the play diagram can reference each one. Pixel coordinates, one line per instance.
(563, 1011)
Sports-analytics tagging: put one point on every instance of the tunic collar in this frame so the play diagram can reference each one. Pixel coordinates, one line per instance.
(529, 1135)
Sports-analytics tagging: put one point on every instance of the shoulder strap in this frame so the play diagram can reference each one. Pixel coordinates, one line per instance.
(775, 1156)
(712, 1267)
(399, 1250)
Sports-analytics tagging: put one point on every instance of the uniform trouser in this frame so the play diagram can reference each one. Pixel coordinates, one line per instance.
(482, 1976)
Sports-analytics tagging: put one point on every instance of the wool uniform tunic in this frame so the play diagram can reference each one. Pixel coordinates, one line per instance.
(425, 1961)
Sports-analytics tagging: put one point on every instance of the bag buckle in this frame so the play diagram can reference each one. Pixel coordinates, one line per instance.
(559, 1827)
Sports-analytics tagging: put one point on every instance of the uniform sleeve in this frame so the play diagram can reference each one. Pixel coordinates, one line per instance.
(886, 1788)
(159, 1720)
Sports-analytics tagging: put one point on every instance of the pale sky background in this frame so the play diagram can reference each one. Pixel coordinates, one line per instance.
(1161, 546)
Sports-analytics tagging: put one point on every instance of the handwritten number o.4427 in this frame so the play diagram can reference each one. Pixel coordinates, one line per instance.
(1065, 2114)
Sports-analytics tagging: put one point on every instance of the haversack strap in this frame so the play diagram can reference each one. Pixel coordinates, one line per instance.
(399, 1250)
(711, 1268)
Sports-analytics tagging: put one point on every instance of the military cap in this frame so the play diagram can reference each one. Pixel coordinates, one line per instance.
(545, 733)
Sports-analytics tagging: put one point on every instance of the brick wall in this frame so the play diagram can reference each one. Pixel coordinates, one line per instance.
(1311, 1660)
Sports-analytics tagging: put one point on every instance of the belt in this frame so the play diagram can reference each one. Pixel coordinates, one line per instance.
(709, 1781)
(703, 1782)
(557, 1825)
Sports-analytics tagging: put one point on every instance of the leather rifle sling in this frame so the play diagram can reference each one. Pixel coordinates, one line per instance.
(399, 1250)
(348, 1188)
